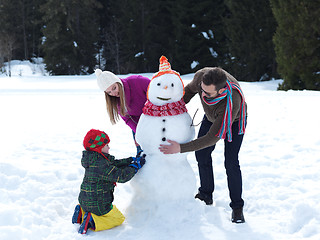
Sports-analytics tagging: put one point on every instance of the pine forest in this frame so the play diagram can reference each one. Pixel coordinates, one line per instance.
(254, 40)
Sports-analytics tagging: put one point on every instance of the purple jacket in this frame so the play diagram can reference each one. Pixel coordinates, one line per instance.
(135, 90)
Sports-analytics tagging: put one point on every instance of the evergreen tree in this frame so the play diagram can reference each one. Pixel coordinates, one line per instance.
(147, 35)
(71, 34)
(108, 43)
(297, 43)
(122, 35)
(33, 29)
(10, 28)
(189, 33)
(206, 39)
(158, 33)
(180, 31)
(249, 28)
(20, 21)
(138, 32)
(133, 20)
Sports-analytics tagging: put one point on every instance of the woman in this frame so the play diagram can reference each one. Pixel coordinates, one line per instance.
(124, 97)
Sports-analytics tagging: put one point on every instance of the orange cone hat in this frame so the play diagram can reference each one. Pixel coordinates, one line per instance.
(165, 68)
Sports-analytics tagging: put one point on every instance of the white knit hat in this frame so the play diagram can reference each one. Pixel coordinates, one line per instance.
(105, 79)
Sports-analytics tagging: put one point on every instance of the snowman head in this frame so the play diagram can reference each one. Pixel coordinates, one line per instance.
(166, 86)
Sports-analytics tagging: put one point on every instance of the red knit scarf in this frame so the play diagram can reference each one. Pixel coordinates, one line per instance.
(169, 109)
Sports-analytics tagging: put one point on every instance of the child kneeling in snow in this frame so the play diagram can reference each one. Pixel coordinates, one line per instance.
(102, 171)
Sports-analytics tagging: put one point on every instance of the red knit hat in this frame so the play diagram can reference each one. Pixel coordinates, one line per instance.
(95, 140)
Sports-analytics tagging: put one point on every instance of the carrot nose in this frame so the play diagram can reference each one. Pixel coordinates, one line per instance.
(165, 87)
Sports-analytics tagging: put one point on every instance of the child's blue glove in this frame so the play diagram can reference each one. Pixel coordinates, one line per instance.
(138, 162)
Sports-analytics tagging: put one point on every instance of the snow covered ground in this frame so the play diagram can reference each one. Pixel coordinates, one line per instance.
(42, 125)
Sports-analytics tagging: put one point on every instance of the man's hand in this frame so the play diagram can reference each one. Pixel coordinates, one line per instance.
(174, 147)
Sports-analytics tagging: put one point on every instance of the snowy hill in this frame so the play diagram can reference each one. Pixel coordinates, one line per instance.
(45, 118)
(25, 68)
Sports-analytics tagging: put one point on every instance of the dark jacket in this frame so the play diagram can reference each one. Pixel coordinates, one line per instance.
(96, 192)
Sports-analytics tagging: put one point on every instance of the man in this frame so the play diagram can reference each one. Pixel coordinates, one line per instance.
(225, 118)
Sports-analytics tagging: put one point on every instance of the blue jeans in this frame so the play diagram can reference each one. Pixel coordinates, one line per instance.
(231, 163)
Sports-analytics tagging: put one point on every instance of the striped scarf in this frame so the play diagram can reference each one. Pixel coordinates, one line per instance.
(225, 128)
(169, 109)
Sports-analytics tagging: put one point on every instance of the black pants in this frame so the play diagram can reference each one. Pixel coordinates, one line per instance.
(231, 163)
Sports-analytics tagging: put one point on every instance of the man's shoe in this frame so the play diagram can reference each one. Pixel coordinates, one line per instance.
(77, 215)
(237, 215)
(207, 200)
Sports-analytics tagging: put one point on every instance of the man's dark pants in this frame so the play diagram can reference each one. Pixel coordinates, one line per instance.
(231, 163)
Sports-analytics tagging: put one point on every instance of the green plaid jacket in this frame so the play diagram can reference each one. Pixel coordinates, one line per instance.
(96, 192)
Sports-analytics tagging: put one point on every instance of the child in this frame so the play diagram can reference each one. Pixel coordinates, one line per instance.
(102, 171)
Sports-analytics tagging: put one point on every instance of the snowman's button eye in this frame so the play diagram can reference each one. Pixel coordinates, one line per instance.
(158, 84)
(172, 85)
(164, 139)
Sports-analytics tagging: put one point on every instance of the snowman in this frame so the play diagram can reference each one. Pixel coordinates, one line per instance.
(164, 178)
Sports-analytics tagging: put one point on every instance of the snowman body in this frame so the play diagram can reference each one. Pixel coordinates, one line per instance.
(164, 176)
(156, 131)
